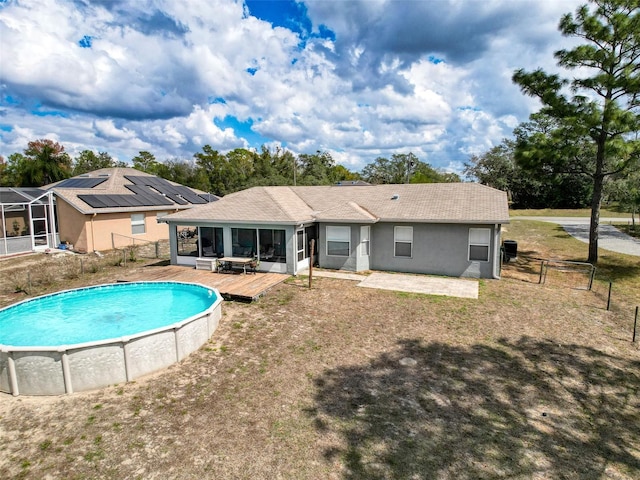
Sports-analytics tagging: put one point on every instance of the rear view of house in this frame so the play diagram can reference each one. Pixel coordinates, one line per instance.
(449, 229)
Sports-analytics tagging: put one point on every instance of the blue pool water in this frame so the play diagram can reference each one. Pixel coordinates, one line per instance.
(101, 313)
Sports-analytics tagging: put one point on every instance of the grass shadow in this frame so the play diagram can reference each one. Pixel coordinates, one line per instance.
(518, 409)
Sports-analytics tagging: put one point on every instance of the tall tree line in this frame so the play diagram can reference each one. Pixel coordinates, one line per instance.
(44, 162)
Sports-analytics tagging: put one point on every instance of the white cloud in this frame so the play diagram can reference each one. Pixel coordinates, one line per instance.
(385, 84)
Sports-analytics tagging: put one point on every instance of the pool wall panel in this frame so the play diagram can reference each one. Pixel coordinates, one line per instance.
(39, 373)
(149, 354)
(5, 386)
(214, 320)
(95, 367)
(192, 336)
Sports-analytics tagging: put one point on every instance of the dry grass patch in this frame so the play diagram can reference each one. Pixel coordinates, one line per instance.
(528, 381)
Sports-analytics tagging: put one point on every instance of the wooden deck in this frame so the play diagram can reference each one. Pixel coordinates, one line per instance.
(232, 286)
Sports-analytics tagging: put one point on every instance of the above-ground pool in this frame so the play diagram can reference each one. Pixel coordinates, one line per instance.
(97, 336)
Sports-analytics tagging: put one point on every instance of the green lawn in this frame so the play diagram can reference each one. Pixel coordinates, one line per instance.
(578, 212)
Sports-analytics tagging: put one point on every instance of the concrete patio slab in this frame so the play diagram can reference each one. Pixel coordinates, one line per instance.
(341, 275)
(450, 287)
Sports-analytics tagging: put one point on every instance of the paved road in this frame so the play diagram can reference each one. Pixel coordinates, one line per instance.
(610, 238)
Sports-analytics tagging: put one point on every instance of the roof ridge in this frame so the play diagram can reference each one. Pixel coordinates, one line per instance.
(357, 206)
(270, 191)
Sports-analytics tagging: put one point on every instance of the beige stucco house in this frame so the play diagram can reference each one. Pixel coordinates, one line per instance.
(114, 207)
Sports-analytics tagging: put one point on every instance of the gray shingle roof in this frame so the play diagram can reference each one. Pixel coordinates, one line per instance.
(426, 203)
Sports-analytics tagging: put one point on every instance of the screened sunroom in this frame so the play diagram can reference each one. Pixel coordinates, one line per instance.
(27, 220)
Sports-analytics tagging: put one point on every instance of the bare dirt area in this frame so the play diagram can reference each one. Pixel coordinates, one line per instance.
(336, 381)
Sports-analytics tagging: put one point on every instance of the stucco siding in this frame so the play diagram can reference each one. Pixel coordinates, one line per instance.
(339, 262)
(72, 226)
(119, 224)
(438, 249)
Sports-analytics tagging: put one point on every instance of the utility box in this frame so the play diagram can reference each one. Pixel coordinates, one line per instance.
(509, 250)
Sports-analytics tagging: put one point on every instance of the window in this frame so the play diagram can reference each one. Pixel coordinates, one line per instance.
(187, 244)
(403, 241)
(365, 235)
(273, 247)
(137, 224)
(300, 242)
(338, 241)
(479, 242)
(211, 240)
(244, 242)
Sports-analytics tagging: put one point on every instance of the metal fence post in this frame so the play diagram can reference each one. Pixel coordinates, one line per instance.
(541, 270)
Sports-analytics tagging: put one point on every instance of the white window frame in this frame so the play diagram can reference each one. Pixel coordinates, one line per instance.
(402, 235)
(479, 237)
(365, 240)
(138, 220)
(300, 244)
(338, 234)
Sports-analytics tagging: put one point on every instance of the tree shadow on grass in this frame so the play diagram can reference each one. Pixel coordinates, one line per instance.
(520, 409)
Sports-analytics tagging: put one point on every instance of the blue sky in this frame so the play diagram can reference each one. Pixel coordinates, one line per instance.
(357, 78)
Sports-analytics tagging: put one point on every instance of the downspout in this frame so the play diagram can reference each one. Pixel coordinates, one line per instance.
(93, 242)
(497, 255)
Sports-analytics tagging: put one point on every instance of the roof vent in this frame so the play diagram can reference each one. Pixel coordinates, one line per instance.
(395, 196)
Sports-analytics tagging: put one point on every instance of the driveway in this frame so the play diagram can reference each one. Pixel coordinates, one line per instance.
(609, 238)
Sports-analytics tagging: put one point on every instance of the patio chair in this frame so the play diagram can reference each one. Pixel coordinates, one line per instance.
(224, 267)
(253, 266)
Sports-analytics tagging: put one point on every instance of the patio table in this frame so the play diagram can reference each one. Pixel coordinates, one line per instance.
(237, 261)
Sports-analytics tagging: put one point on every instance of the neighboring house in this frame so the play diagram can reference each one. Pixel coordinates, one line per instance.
(445, 229)
(27, 220)
(114, 207)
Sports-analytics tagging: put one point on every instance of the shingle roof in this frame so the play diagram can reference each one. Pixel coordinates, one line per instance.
(115, 183)
(427, 203)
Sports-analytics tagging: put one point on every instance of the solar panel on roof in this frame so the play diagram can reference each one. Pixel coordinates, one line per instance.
(123, 200)
(176, 198)
(140, 189)
(180, 194)
(93, 200)
(82, 182)
(207, 197)
(136, 180)
(189, 195)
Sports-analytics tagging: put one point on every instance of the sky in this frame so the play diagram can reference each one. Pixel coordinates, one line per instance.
(360, 79)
